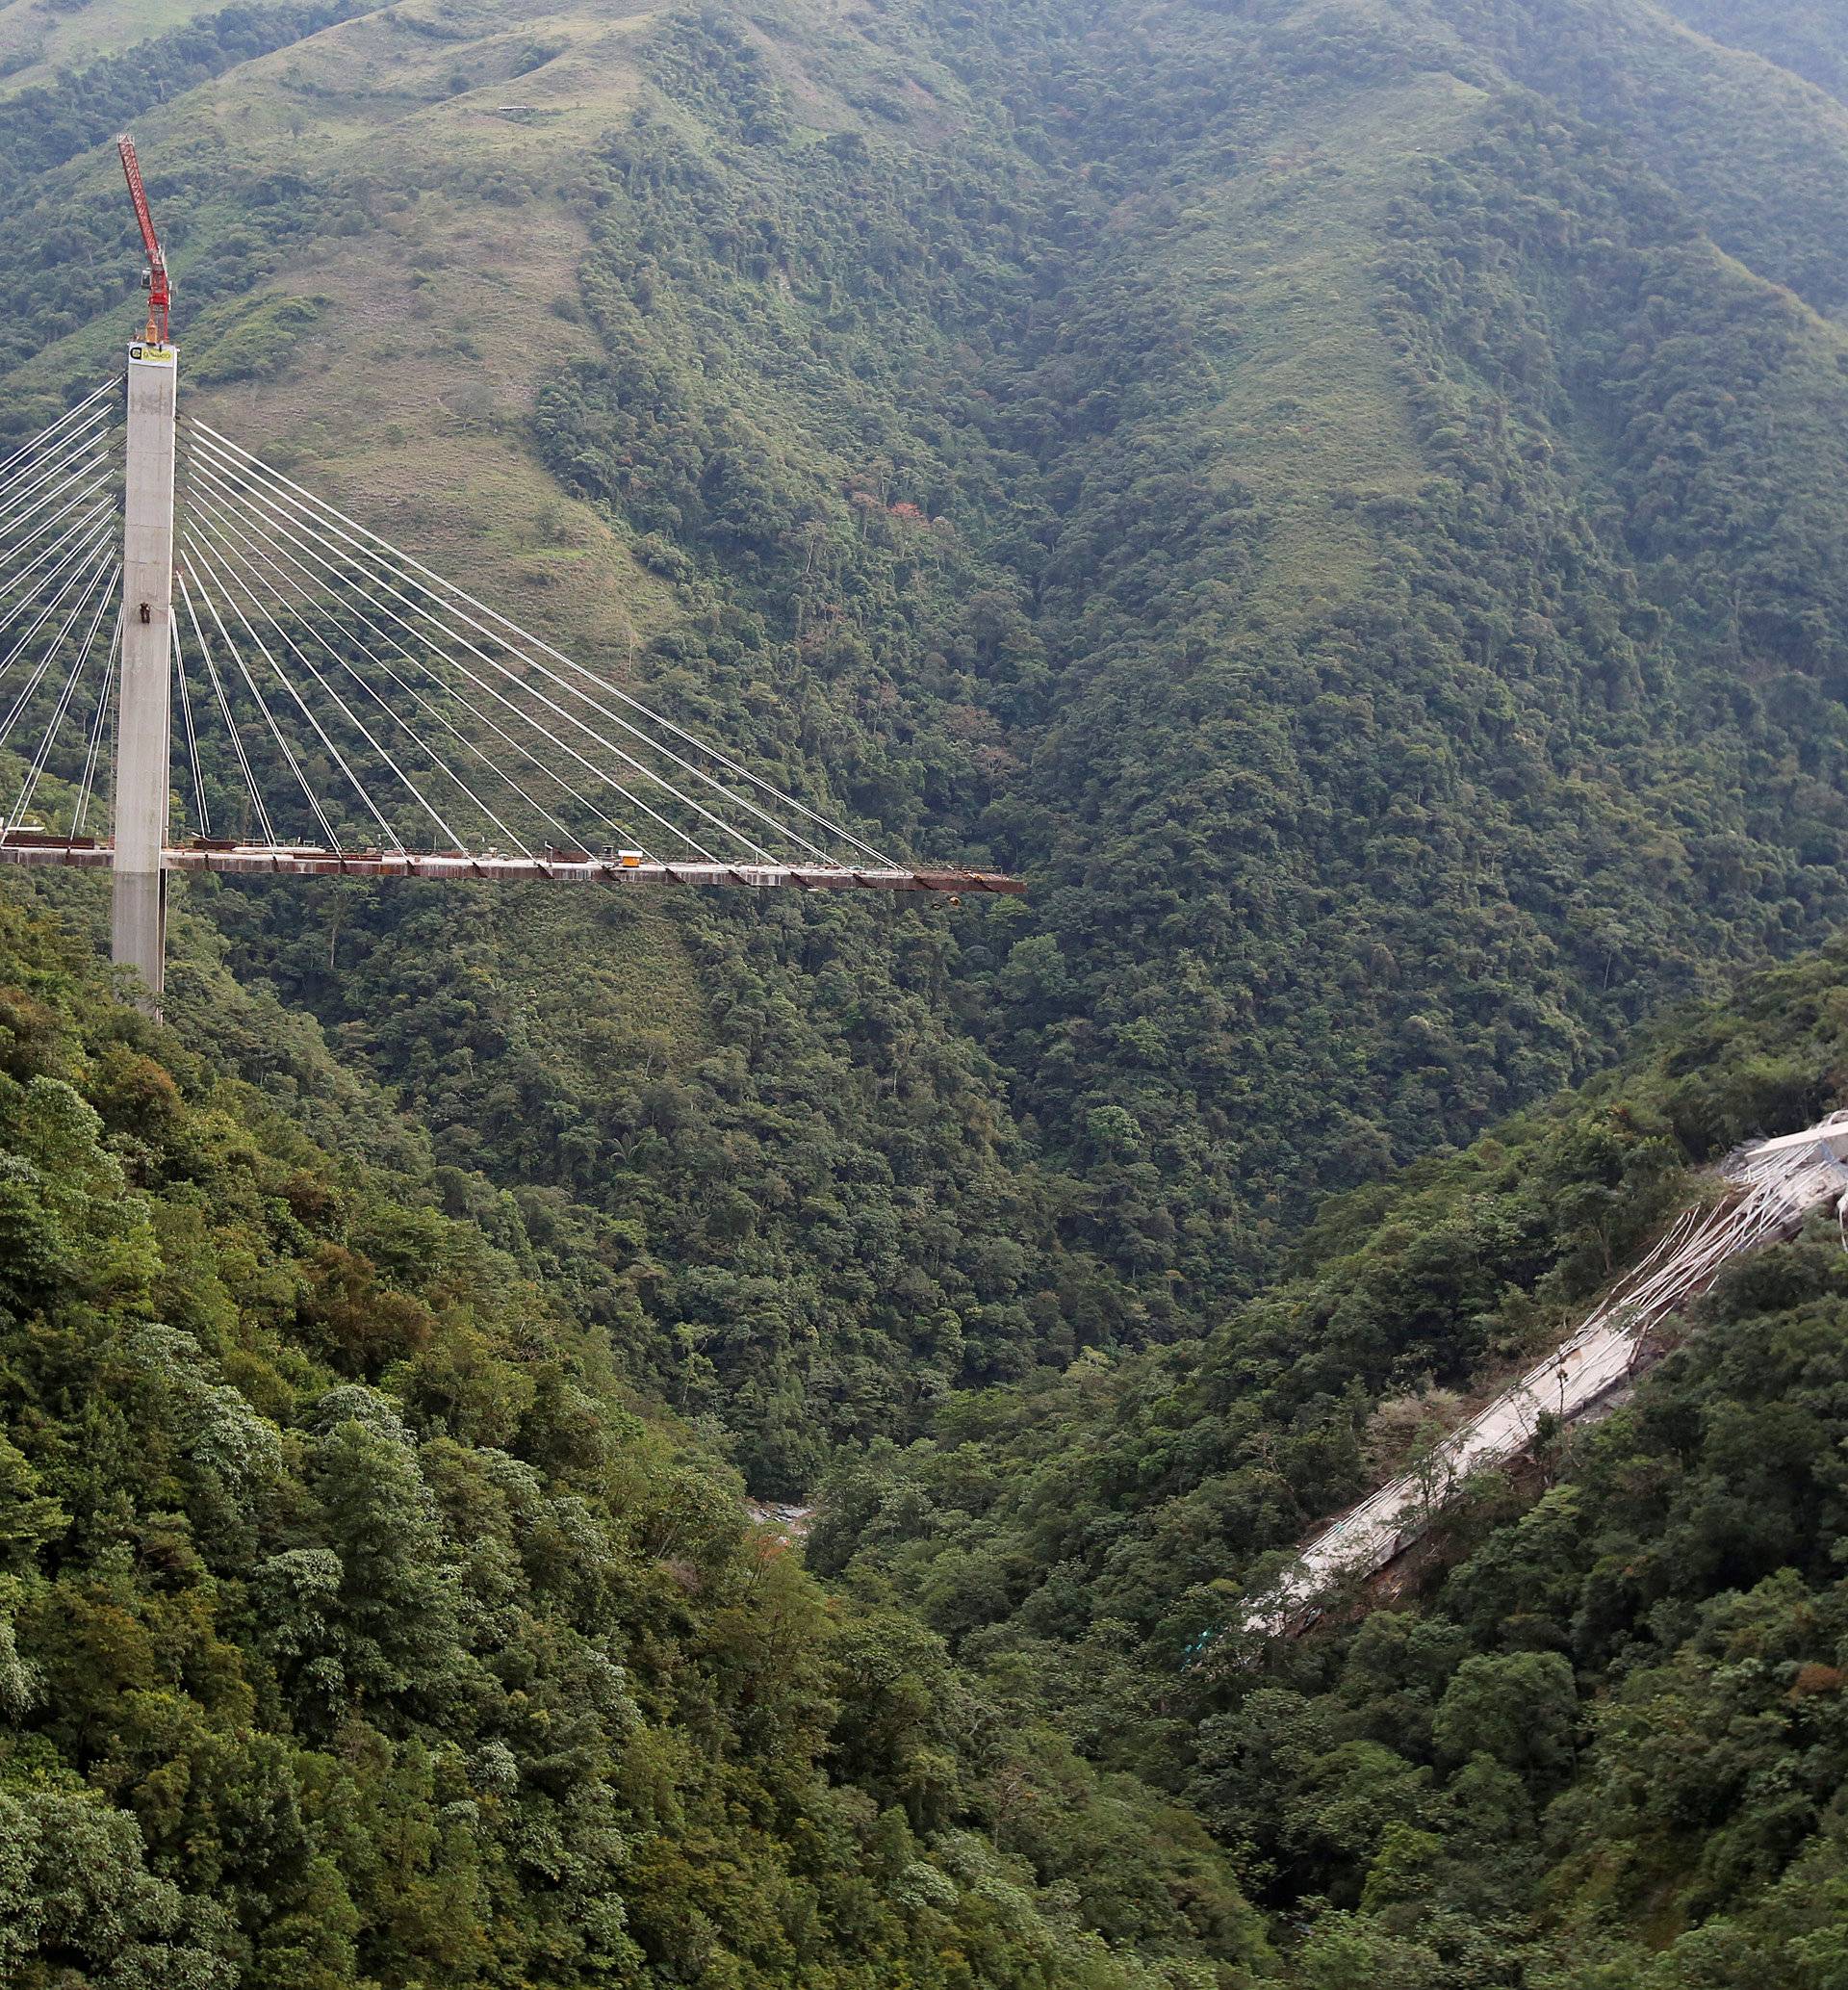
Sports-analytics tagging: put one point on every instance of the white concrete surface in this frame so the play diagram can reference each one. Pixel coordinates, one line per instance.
(1774, 1185)
(143, 721)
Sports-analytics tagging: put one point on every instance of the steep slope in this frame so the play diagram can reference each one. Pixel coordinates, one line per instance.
(1228, 608)
(1758, 156)
(1342, 494)
(1800, 36)
(357, 1630)
(1600, 1740)
(1347, 494)
(39, 42)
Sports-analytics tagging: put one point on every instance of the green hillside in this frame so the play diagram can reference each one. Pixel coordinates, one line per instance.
(1345, 495)
(357, 1628)
(1243, 499)
(1599, 1741)
(1797, 35)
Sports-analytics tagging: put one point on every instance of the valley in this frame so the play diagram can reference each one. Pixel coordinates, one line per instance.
(1342, 496)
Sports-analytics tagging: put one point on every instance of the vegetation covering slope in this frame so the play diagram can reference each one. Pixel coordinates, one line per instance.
(1341, 495)
(1603, 1741)
(1345, 495)
(1798, 35)
(355, 1628)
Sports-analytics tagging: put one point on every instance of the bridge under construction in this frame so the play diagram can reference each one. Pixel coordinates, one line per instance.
(343, 711)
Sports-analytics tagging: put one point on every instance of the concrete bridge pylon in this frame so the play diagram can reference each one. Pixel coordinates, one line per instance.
(137, 922)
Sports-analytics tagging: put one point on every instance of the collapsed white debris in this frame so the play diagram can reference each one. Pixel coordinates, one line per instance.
(1772, 1186)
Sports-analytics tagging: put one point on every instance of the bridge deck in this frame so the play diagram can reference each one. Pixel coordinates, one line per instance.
(261, 860)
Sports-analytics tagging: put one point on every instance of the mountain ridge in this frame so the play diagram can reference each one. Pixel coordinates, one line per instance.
(1154, 622)
(1343, 495)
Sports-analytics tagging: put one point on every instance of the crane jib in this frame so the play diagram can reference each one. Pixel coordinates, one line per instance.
(159, 291)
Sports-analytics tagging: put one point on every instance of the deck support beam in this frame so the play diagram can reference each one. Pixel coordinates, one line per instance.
(281, 859)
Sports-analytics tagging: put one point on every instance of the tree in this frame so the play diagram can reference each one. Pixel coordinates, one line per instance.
(1520, 1709)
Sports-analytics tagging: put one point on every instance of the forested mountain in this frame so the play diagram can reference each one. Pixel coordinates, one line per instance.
(356, 1628)
(1342, 494)
(1602, 1743)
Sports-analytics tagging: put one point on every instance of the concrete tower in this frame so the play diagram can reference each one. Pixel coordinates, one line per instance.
(143, 722)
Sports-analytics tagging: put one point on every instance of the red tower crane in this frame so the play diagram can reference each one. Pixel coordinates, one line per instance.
(154, 282)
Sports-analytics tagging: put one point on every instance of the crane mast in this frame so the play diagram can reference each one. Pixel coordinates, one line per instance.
(159, 294)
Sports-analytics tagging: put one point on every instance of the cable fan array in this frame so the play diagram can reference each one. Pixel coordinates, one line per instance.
(60, 627)
(331, 689)
(340, 706)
